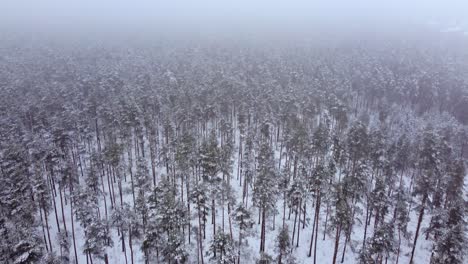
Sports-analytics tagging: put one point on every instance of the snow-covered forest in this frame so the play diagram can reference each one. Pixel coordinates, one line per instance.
(330, 149)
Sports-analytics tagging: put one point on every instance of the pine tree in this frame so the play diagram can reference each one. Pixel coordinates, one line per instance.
(451, 238)
(21, 242)
(169, 218)
(380, 246)
(97, 238)
(450, 246)
(223, 244)
(319, 183)
(209, 162)
(63, 241)
(296, 195)
(265, 188)
(341, 220)
(264, 259)
(122, 218)
(426, 180)
(401, 216)
(284, 248)
(142, 185)
(243, 219)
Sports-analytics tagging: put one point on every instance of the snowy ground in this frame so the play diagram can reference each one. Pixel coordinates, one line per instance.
(324, 247)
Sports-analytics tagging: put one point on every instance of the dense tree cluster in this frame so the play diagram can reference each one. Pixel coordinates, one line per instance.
(194, 153)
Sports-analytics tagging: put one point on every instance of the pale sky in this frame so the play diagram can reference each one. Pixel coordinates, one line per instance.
(242, 13)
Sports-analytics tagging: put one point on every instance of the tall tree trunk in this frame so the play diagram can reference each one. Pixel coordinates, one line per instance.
(365, 224)
(299, 224)
(316, 235)
(284, 209)
(213, 220)
(63, 212)
(73, 230)
(313, 232)
(294, 227)
(130, 243)
(399, 246)
(48, 231)
(112, 200)
(199, 237)
(337, 243)
(240, 242)
(420, 218)
(229, 219)
(344, 248)
(43, 230)
(104, 196)
(124, 248)
(72, 218)
(262, 234)
(55, 207)
(326, 222)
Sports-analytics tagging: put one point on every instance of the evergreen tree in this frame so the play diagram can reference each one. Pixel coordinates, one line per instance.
(97, 238)
(21, 242)
(380, 246)
(451, 238)
(223, 244)
(265, 188)
(243, 219)
(63, 239)
(450, 246)
(426, 180)
(169, 217)
(341, 220)
(284, 248)
(142, 185)
(264, 259)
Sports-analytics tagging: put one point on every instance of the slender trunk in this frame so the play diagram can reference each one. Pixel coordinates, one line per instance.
(43, 230)
(130, 243)
(109, 187)
(63, 212)
(240, 242)
(120, 191)
(313, 232)
(420, 218)
(326, 222)
(48, 231)
(262, 238)
(294, 227)
(55, 210)
(284, 209)
(112, 180)
(365, 225)
(153, 165)
(399, 246)
(230, 221)
(316, 235)
(222, 212)
(188, 207)
(199, 230)
(73, 221)
(213, 220)
(337, 243)
(299, 224)
(344, 248)
(124, 248)
(304, 215)
(104, 195)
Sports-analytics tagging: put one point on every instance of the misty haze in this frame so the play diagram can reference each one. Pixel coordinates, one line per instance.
(233, 132)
